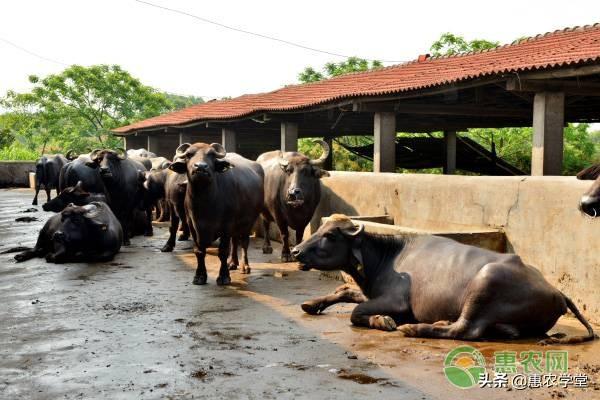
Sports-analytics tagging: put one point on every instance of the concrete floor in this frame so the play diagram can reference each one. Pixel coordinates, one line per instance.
(137, 328)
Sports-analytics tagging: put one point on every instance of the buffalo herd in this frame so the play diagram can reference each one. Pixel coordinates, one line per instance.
(423, 286)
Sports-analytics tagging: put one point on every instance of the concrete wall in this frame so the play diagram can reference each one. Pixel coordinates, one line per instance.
(15, 173)
(538, 215)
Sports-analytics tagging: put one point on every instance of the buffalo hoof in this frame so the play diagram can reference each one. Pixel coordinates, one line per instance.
(311, 307)
(245, 270)
(183, 237)
(34, 202)
(384, 323)
(199, 280)
(167, 248)
(267, 250)
(232, 266)
(126, 242)
(149, 233)
(223, 280)
(21, 257)
(286, 257)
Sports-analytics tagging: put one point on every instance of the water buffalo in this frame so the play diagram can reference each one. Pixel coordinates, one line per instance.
(224, 197)
(292, 193)
(76, 195)
(170, 187)
(78, 170)
(47, 172)
(78, 234)
(590, 201)
(123, 179)
(430, 286)
(140, 153)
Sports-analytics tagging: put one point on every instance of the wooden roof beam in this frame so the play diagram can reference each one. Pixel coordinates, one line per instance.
(580, 88)
(442, 109)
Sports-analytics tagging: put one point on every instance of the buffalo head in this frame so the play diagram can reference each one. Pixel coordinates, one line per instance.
(73, 194)
(336, 245)
(106, 160)
(302, 174)
(200, 161)
(590, 201)
(80, 224)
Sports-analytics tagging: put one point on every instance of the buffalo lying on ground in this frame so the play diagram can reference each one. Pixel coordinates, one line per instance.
(430, 286)
(76, 195)
(79, 234)
(590, 201)
(292, 193)
(47, 173)
(224, 197)
(123, 179)
(169, 187)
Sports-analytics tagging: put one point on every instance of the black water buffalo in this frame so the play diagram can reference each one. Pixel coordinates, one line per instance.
(76, 195)
(78, 170)
(123, 179)
(78, 234)
(292, 193)
(47, 172)
(224, 197)
(170, 187)
(590, 201)
(430, 286)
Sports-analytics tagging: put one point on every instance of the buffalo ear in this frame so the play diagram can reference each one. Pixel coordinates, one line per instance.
(222, 165)
(353, 232)
(320, 172)
(91, 164)
(178, 166)
(590, 173)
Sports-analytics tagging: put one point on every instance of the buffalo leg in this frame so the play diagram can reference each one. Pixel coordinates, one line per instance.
(343, 295)
(461, 329)
(185, 227)
(381, 313)
(233, 261)
(35, 198)
(224, 278)
(126, 231)
(168, 247)
(266, 249)
(244, 243)
(48, 190)
(286, 255)
(200, 277)
(148, 231)
(299, 236)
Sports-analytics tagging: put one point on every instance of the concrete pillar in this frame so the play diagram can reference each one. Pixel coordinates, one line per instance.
(449, 152)
(328, 165)
(384, 151)
(548, 126)
(289, 136)
(152, 145)
(229, 140)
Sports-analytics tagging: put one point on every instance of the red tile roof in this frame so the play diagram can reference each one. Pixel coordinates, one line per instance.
(557, 49)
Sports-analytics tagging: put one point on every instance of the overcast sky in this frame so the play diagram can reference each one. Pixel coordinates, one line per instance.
(180, 54)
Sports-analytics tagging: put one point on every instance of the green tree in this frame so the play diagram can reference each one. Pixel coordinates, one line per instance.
(78, 107)
(177, 101)
(450, 44)
(352, 64)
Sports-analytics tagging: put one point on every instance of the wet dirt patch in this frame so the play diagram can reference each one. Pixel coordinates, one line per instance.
(199, 374)
(26, 219)
(133, 307)
(359, 377)
(29, 210)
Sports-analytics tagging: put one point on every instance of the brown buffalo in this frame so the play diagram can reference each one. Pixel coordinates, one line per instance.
(292, 193)
(430, 286)
(590, 201)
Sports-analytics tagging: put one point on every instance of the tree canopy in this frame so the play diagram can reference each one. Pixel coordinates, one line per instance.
(352, 64)
(78, 107)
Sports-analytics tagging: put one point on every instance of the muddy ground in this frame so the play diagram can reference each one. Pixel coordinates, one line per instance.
(137, 328)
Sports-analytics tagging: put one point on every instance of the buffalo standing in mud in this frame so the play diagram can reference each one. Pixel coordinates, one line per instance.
(78, 234)
(590, 201)
(47, 173)
(123, 179)
(292, 193)
(430, 286)
(224, 197)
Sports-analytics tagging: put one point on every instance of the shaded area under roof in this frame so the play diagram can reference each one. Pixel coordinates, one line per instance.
(428, 152)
